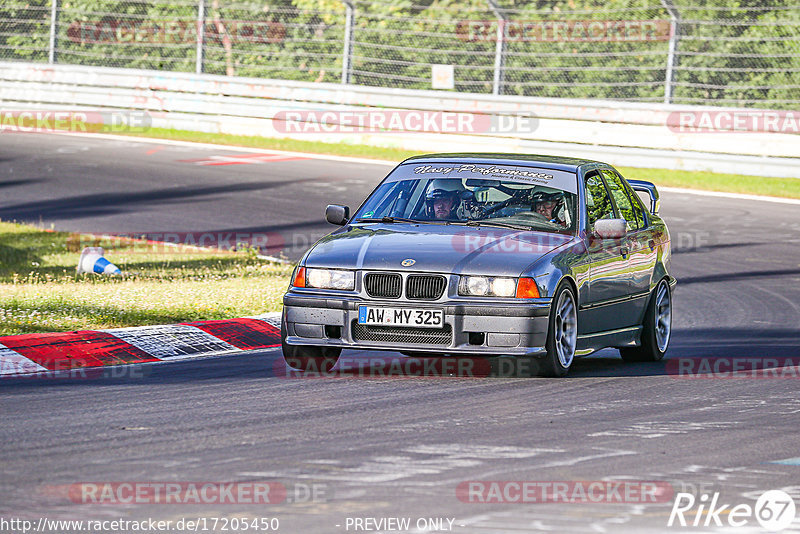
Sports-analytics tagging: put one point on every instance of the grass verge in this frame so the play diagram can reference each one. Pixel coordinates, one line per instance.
(41, 292)
(707, 181)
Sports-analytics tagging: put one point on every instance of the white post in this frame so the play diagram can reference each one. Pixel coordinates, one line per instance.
(674, 28)
(347, 53)
(500, 48)
(53, 24)
(201, 36)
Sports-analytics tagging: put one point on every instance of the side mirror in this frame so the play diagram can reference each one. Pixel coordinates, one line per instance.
(337, 215)
(650, 189)
(611, 228)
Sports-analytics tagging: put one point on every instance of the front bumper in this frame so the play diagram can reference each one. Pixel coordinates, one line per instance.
(471, 327)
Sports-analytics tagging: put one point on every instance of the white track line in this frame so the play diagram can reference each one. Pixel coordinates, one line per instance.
(234, 148)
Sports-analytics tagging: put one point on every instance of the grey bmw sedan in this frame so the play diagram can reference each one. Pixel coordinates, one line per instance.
(467, 255)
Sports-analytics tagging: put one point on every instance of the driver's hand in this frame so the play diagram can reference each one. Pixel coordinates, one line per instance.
(472, 210)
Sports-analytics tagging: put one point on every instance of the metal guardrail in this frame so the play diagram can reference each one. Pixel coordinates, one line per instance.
(631, 134)
(714, 52)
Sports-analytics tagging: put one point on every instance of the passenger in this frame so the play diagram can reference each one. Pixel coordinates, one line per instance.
(549, 205)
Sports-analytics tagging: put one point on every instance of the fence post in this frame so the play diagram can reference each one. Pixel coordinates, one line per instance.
(674, 28)
(500, 48)
(347, 52)
(53, 24)
(201, 36)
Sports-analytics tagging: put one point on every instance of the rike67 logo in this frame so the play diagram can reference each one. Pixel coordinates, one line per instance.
(774, 511)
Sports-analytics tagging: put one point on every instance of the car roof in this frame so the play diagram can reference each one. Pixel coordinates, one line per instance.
(561, 163)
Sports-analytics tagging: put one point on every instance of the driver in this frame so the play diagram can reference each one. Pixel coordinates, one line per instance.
(548, 205)
(443, 199)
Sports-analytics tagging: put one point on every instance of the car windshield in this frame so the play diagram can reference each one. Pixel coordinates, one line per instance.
(472, 201)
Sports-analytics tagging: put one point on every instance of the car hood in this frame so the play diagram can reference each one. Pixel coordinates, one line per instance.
(434, 248)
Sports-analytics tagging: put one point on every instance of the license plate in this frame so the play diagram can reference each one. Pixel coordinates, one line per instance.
(372, 315)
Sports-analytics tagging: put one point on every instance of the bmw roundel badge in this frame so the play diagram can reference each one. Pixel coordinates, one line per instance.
(408, 262)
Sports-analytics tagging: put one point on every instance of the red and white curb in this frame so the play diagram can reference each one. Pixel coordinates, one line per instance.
(38, 353)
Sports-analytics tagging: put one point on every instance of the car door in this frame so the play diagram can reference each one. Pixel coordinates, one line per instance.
(606, 307)
(640, 241)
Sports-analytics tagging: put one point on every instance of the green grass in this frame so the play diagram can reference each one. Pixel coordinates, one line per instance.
(712, 181)
(708, 181)
(41, 292)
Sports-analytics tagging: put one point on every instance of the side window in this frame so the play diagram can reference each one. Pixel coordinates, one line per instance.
(621, 199)
(598, 203)
(636, 202)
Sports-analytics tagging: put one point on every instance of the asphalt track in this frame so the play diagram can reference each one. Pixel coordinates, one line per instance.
(399, 446)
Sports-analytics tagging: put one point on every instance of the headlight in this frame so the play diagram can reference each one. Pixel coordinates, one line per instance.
(504, 287)
(484, 286)
(330, 279)
(475, 285)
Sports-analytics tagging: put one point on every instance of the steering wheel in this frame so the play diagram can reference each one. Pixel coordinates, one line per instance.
(535, 215)
(539, 218)
(500, 205)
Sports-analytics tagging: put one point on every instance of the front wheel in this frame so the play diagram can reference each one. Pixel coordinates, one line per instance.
(562, 333)
(656, 328)
(306, 358)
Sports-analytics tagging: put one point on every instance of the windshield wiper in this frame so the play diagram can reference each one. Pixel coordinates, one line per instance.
(498, 224)
(392, 220)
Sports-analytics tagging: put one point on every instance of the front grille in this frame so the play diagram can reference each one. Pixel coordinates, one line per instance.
(385, 285)
(425, 287)
(397, 334)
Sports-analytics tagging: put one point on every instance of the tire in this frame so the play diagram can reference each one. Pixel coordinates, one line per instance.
(306, 358)
(562, 333)
(656, 328)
